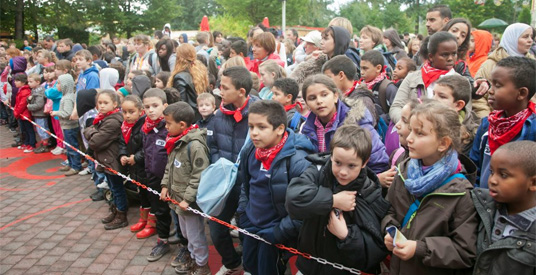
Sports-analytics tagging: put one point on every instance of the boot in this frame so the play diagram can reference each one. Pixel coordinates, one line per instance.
(150, 228)
(119, 221)
(144, 212)
(111, 215)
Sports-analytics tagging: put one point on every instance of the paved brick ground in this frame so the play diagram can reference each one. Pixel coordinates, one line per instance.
(49, 226)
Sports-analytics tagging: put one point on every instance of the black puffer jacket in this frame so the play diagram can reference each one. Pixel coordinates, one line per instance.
(134, 147)
(183, 82)
(310, 198)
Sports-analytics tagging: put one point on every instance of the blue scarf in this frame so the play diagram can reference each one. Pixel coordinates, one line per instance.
(421, 182)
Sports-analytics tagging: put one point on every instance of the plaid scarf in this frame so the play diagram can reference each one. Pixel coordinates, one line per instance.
(237, 114)
(149, 124)
(170, 141)
(267, 156)
(321, 132)
(503, 129)
(378, 79)
(431, 74)
(101, 116)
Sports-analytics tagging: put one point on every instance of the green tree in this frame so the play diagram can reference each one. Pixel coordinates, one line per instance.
(192, 12)
(256, 10)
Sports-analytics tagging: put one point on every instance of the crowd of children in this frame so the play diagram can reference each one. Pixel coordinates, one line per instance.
(356, 157)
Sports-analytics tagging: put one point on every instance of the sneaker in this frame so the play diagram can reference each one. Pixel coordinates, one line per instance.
(64, 169)
(12, 130)
(65, 162)
(185, 265)
(97, 196)
(239, 270)
(85, 164)
(103, 185)
(56, 151)
(16, 144)
(71, 172)
(181, 256)
(84, 172)
(29, 149)
(161, 248)
(41, 149)
(200, 270)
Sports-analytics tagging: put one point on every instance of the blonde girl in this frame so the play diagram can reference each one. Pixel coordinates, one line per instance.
(269, 71)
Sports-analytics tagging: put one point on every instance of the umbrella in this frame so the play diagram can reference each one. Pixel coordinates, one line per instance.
(492, 23)
(265, 22)
(204, 24)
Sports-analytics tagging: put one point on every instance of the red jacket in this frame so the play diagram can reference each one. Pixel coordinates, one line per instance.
(22, 103)
(256, 63)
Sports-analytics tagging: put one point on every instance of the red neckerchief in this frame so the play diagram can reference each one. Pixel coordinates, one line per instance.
(431, 74)
(150, 124)
(378, 79)
(267, 156)
(170, 141)
(349, 91)
(237, 114)
(101, 116)
(126, 130)
(291, 106)
(503, 129)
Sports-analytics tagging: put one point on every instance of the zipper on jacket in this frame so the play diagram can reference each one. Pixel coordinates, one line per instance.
(408, 226)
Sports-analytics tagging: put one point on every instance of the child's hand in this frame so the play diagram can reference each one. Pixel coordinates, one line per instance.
(386, 178)
(337, 226)
(482, 85)
(184, 205)
(344, 200)
(388, 240)
(164, 194)
(124, 160)
(406, 250)
(29, 98)
(53, 113)
(131, 160)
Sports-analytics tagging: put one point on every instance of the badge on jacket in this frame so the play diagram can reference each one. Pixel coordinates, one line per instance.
(160, 142)
(209, 132)
(177, 163)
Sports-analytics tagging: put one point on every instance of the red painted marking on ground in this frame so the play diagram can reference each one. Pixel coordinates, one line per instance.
(41, 212)
(19, 167)
(26, 189)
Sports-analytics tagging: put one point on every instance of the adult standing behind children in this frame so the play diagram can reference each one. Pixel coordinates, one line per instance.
(166, 55)
(392, 41)
(264, 47)
(230, 128)
(189, 77)
(437, 17)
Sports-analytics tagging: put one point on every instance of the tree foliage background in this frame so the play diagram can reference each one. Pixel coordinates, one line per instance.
(235, 17)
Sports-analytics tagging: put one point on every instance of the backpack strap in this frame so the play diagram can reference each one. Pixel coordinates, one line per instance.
(397, 154)
(382, 95)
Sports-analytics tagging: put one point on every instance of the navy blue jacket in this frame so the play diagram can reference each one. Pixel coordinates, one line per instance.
(292, 157)
(228, 136)
(155, 153)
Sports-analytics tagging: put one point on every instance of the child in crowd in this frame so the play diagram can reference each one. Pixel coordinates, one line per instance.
(240, 48)
(328, 113)
(275, 156)
(161, 79)
(103, 139)
(206, 104)
(403, 67)
(65, 85)
(339, 201)
(374, 76)
(285, 91)
(430, 201)
(230, 127)
(508, 212)
(131, 153)
(154, 141)
(514, 118)
(455, 92)
(89, 76)
(269, 71)
(36, 105)
(21, 109)
(188, 157)
(46, 58)
(51, 75)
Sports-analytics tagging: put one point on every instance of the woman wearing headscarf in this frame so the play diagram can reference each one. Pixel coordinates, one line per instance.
(392, 41)
(516, 41)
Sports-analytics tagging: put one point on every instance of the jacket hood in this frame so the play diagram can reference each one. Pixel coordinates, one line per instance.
(67, 84)
(167, 25)
(38, 90)
(392, 35)
(358, 113)
(18, 64)
(184, 37)
(194, 134)
(140, 84)
(108, 78)
(85, 101)
(297, 142)
(342, 40)
(91, 69)
(77, 47)
(483, 41)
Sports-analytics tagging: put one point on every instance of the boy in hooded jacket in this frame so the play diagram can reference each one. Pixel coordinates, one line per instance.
(89, 78)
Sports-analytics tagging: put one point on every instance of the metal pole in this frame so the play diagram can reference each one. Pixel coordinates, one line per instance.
(284, 23)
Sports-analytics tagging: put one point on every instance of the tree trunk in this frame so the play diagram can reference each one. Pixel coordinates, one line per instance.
(19, 19)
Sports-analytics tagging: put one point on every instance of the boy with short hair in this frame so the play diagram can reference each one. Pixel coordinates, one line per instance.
(89, 76)
(514, 118)
(374, 76)
(343, 71)
(154, 141)
(206, 104)
(230, 127)
(22, 114)
(455, 92)
(240, 48)
(508, 212)
(188, 157)
(285, 91)
(36, 105)
(275, 156)
(339, 201)
(96, 56)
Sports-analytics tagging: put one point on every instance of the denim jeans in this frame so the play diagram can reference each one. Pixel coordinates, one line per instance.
(71, 137)
(43, 122)
(118, 190)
